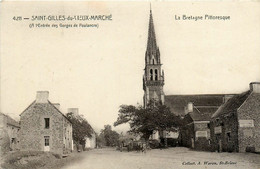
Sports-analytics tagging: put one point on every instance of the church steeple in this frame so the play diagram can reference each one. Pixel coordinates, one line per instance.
(152, 51)
(153, 79)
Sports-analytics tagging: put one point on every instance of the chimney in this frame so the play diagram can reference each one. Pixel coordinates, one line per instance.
(57, 105)
(74, 111)
(188, 108)
(255, 87)
(42, 96)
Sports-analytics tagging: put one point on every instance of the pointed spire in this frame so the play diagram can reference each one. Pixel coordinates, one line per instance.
(151, 42)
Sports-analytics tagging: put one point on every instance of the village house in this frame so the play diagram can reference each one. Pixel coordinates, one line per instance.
(90, 141)
(44, 127)
(195, 131)
(9, 129)
(235, 126)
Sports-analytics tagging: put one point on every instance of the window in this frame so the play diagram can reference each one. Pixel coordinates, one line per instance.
(47, 140)
(156, 74)
(208, 125)
(151, 74)
(228, 136)
(47, 122)
(153, 61)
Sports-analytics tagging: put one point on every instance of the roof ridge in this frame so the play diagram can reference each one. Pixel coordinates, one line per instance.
(227, 107)
(199, 94)
(27, 107)
(10, 120)
(58, 110)
(250, 93)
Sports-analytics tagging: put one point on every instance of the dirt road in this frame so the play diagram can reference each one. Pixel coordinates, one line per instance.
(172, 158)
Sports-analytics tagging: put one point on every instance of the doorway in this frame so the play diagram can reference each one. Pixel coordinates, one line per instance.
(46, 143)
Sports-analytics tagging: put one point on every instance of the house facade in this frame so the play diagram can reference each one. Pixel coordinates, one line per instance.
(91, 141)
(195, 131)
(9, 129)
(44, 127)
(235, 126)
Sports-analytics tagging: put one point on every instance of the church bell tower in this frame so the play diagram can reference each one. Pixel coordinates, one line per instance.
(153, 79)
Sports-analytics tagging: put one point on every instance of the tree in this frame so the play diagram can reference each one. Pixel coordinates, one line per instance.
(109, 136)
(100, 140)
(144, 121)
(81, 129)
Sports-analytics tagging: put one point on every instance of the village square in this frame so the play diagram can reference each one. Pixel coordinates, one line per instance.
(166, 131)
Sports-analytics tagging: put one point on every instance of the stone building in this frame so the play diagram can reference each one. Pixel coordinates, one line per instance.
(195, 132)
(235, 126)
(91, 141)
(153, 82)
(9, 129)
(153, 79)
(44, 127)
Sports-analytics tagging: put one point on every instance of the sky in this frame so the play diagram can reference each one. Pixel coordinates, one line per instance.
(99, 69)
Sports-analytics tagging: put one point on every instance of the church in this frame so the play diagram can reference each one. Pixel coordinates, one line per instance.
(153, 82)
(210, 122)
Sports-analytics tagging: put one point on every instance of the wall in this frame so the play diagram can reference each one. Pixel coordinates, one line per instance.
(91, 142)
(4, 141)
(32, 130)
(202, 142)
(13, 136)
(11, 131)
(221, 141)
(67, 133)
(250, 136)
(195, 134)
(186, 134)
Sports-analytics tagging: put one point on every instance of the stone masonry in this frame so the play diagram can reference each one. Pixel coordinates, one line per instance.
(36, 135)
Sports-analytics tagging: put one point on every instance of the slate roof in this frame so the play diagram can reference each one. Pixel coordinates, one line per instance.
(232, 104)
(48, 102)
(10, 120)
(176, 103)
(59, 111)
(203, 113)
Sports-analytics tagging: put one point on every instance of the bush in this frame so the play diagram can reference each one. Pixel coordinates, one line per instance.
(28, 159)
(15, 156)
(172, 142)
(250, 149)
(154, 144)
